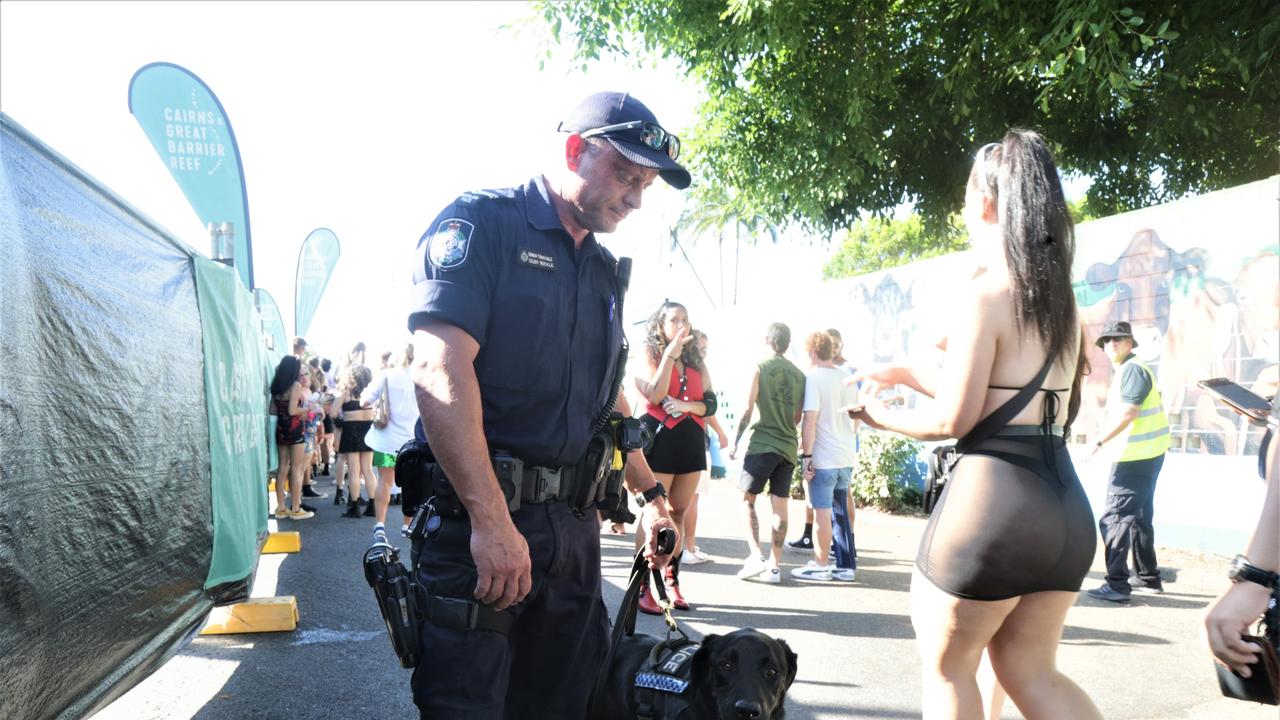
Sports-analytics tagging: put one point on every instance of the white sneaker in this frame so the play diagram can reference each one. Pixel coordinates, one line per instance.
(690, 558)
(842, 574)
(702, 556)
(771, 575)
(812, 571)
(751, 567)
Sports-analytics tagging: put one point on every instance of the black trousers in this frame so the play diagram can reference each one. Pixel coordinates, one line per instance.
(546, 667)
(1126, 522)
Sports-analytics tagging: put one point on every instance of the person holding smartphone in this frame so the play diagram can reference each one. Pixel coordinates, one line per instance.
(1253, 575)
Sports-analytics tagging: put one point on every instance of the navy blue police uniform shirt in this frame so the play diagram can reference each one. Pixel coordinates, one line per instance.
(499, 265)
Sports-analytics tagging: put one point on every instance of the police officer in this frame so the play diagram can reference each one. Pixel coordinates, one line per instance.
(1135, 414)
(516, 319)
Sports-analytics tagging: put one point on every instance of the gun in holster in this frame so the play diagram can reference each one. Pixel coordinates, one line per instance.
(398, 599)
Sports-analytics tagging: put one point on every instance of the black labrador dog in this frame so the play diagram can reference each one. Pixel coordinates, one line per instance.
(743, 675)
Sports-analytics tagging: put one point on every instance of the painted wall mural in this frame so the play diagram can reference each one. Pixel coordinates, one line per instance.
(1199, 279)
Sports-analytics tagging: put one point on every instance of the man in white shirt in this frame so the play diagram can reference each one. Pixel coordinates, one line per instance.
(827, 455)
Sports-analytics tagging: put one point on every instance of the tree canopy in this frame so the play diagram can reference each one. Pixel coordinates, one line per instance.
(880, 243)
(819, 111)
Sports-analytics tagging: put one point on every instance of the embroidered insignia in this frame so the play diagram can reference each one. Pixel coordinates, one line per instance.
(449, 245)
(542, 261)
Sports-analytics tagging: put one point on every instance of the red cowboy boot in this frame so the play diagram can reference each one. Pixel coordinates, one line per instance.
(647, 604)
(673, 590)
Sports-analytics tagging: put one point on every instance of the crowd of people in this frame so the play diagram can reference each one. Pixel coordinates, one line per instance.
(989, 589)
(344, 421)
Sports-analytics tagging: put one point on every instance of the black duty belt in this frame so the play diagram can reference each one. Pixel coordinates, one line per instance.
(541, 484)
(466, 615)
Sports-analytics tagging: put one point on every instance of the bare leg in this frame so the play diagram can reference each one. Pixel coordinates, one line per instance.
(690, 533)
(753, 524)
(339, 466)
(681, 489)
(351, 463)
(295, 476)
(340, 459)
(1024, 655)
(993, 694)
(386, 478)
(366, 472)
(282, 475)
(822, 536)
(779, 528)
(951, 634)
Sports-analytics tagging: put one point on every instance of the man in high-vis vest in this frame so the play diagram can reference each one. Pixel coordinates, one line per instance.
(1135, 417)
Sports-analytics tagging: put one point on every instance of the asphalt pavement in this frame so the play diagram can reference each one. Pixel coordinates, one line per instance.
(857, 655)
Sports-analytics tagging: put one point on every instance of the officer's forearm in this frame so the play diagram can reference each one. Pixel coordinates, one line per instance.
(448, 397)
(638, 477)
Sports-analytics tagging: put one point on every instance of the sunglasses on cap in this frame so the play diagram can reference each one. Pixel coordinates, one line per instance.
(651, 135)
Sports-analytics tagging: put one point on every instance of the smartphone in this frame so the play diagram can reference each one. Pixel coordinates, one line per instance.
(1247, 403)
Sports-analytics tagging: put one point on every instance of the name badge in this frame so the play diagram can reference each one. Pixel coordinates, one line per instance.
(535, 259)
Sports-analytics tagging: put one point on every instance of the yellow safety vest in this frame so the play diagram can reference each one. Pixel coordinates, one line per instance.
(1148, 435)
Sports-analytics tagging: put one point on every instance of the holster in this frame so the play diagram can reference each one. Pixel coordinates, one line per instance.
(398, 599)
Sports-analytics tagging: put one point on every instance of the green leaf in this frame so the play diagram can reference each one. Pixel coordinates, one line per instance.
(1126, 12)
(1171, 35)
(1135, 21)
(1079, 54)
(1116, 79)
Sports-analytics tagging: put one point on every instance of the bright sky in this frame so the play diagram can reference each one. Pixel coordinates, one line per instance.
(366, 119)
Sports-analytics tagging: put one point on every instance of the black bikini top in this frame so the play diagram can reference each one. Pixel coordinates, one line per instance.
(1000, 417)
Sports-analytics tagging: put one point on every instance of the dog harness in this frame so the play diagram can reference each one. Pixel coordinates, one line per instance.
(660, 689)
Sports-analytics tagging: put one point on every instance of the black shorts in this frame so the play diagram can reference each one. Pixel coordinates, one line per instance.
(328, 425)
(678, 450)
(766, 467)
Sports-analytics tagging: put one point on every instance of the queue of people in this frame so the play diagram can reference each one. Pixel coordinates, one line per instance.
(328, 416)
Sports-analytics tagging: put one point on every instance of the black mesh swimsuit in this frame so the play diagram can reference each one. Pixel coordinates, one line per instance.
(1013, 519)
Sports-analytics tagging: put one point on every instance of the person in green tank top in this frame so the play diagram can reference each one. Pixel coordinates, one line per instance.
(777, 389)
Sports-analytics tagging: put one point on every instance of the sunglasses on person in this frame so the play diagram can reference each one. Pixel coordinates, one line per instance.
(651, 135)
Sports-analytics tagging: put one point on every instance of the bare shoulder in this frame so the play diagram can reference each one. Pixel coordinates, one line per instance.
(986, 297)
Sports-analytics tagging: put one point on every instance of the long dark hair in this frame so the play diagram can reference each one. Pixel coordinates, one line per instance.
(1039, 237)
(655, 342)
(286, 375)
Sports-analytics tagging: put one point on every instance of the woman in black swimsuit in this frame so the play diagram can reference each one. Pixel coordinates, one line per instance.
(1012, 537)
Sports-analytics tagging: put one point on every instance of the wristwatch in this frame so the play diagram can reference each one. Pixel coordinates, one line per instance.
(1242, 571)
(651, 494)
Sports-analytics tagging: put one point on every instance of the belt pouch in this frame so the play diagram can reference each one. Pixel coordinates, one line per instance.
(510, 473)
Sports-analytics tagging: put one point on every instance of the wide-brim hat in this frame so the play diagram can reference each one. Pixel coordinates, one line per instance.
(1116, 329)
(614, 108)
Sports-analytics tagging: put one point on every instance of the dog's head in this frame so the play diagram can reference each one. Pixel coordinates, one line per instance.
(744, 675)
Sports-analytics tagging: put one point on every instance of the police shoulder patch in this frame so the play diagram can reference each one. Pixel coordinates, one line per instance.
(450, 243)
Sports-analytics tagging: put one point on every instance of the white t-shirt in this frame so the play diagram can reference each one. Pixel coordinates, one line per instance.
(825, 393)
(404, 411)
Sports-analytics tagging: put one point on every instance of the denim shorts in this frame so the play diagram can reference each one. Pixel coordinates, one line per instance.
(825, 483)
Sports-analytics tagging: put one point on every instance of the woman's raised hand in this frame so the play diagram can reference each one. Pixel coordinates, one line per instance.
(676, 346)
